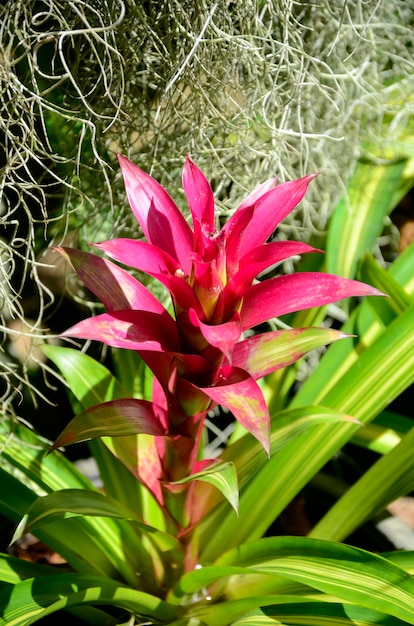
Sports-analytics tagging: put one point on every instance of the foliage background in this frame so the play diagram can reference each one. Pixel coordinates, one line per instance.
(250, 89)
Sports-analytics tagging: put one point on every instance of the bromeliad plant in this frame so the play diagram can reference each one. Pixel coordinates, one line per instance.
(198, 355)
(159, 542)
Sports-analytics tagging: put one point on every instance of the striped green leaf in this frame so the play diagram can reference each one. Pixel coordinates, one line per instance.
(389, 478)
(32, 599)
(222, 476)
(344, 572)
(326, 614)
(68, 503)
(89, 381)
(372, 193)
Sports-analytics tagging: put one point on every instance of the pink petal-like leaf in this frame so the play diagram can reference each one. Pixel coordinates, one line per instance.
(134, 330)
(251, 265)
(295, 292)
(257, 193)
(199, 196)
(232, 232)
(154, 261)
(271, 253)
(142, 255)
(182, 294)
(269, 211)
(158, 215)
(117, 418)
(221, 336)
(265, 353)
(239, 393)
(114, 287)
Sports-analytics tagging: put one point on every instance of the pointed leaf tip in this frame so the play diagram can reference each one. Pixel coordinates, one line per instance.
(239, 392)
(200, 199)
(221, 475)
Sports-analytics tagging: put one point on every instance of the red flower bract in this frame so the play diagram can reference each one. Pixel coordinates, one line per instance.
(198, 356)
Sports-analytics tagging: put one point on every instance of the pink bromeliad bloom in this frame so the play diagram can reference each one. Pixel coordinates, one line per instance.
(199, 355)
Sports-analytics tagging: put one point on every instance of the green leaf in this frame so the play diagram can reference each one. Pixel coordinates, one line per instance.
(92, 384)
(375, 379)
(372, 193)
(367, 324)
(377, 276)
(326, 613)
(402, 558)
(390, 477)
(13, 570)
(25, 451)
(133, 373)
(89, 545)
(248, 458)
(223, 476)
(122, 483)
(345, 572)
(256, 618)
(89, 381)
(79, 502)
(225, 613)
(32, 599)
(383, 433)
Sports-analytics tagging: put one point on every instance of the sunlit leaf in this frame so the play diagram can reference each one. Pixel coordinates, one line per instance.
(69, 503)
(262, 354)
(345, 572)
(33, 599)
(358, 219)
(90, 381)
(386, 480)
(223, 476)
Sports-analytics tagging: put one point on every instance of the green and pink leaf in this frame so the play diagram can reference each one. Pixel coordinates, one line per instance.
(236, 390)
(116, 418)
(265, 353)
(129, 329)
